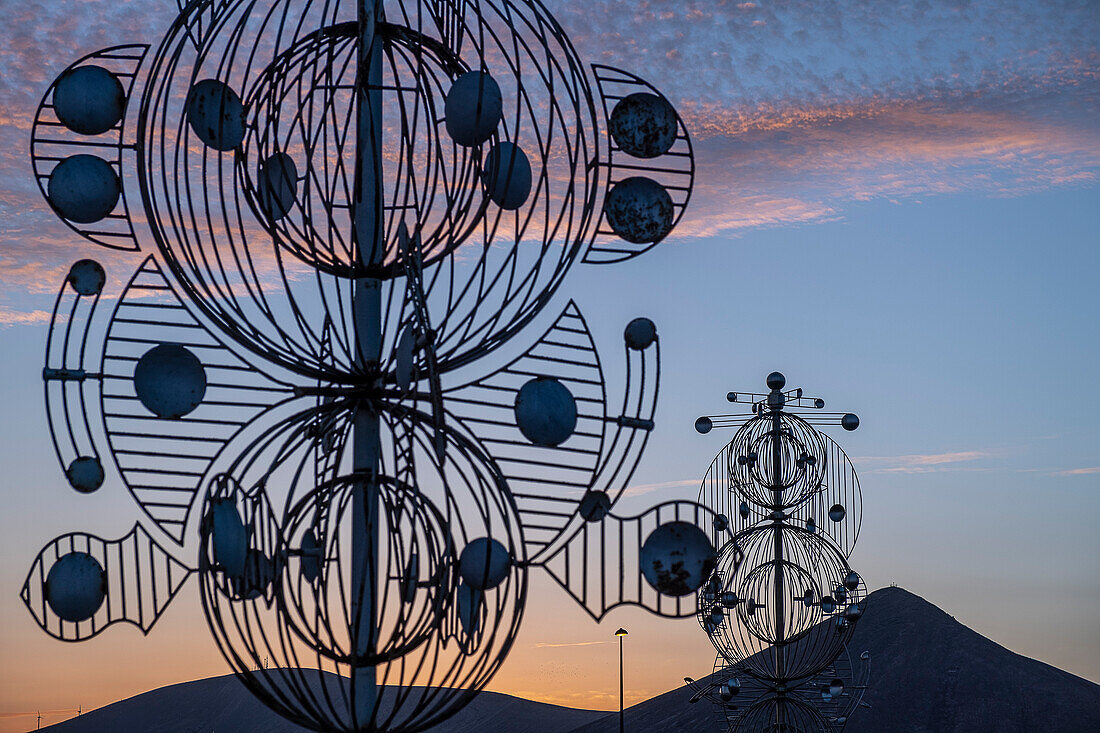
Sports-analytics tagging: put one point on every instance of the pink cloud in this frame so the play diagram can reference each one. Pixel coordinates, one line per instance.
(10, 317)
(1079, 471)
(921, 463)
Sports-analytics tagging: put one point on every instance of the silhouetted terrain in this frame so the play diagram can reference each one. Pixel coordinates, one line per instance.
(223, 705)
(929, 674)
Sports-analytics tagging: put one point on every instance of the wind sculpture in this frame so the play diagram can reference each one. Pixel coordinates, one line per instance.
(355, 206)
(783, 602)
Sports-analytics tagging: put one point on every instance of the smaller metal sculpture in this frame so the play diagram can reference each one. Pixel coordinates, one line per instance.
(782, 603)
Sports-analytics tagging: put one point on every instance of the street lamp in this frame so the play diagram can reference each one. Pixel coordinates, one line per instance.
(620, 633)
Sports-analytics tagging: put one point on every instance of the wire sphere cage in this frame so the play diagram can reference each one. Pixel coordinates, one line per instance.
(321, 385)
(782, 603)
(820, 704)
(448, 598)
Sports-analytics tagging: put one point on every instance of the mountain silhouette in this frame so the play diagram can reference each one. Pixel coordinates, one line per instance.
(929, 674)
(224, 705)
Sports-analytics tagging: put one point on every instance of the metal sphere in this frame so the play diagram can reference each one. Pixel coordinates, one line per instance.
(721, 523)
(470, 606)
(640, 333)
(849, 421)
(83, 188)
(89, 100)
(507, 176)
(677, 558)
(87, 277)
(546, 411)
(230, 536)
(278, 185)
(594, 505)
(703, 425)
(216, 114)
(837, 513)
(776, 380)
(85, 474)
(851, 580)
(76, 586)
(644, 125)
(473, 108)
(170, 381)
(639, 210)
(311, 554)
(484, 563)
(258, 575)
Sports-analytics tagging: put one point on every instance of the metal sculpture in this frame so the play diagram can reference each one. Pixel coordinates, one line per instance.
(356, 208)
(783, 602)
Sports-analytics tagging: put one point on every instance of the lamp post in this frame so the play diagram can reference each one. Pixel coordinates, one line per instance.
(620, 633)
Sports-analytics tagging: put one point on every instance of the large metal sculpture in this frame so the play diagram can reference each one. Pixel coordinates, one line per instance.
(311, 386)
(783, 602)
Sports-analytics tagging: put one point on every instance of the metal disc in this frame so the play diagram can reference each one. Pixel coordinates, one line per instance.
(546, 411)
(230, 536)
(473, 108)
(85, 474)
(595, 505)
(278, 185)
(89, 100)
(639, 210)
(216, 114)
(87, 277)
(169, 380)
(644, 125)
(507, 176)
(484, 563)
(640, 333)
(84, 188)
(677, 558)
(76, 586)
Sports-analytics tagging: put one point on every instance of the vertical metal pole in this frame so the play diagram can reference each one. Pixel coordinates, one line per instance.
(775, 403)
(620, 684)
(367, 233)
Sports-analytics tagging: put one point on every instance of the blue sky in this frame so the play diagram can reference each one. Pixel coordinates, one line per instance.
(897, 205)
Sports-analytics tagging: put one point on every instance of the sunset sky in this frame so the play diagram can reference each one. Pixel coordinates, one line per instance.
(897, 205)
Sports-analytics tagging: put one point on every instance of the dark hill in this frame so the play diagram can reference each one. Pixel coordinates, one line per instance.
(929, 674)
(223, 705)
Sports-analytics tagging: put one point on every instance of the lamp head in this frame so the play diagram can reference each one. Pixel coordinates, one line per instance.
(621, 632)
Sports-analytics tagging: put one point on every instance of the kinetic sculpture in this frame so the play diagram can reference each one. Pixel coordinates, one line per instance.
(783, 602)
(355, 206)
